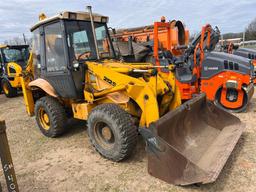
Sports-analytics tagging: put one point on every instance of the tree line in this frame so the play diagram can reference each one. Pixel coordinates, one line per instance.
(250, 34)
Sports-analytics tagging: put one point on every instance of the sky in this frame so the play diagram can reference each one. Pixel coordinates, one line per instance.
(17, 16)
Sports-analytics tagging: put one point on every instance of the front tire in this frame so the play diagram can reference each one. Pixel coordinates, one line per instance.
(8, 90)
(112, 132)
(50, 116)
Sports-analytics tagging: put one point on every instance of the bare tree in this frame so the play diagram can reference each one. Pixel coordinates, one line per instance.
(18, 41)
(232, 35)
(250, 32)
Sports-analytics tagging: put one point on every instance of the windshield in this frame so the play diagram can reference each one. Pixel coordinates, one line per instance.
(15, 55)
(81, 42)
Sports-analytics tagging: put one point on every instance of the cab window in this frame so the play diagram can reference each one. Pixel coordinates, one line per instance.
(36, 49)
(81, 41)
(81, 44)
(54, 48)
(102, 41)
(12, 55)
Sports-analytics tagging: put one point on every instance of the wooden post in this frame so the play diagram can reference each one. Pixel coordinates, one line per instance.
(6, 159)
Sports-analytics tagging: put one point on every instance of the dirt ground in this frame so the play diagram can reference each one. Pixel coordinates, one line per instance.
(69, 163)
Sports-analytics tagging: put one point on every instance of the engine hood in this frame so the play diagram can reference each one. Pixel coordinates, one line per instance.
(217, 62)
(246, 52)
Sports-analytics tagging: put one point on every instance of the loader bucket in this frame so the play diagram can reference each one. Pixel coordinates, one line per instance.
(192, 143)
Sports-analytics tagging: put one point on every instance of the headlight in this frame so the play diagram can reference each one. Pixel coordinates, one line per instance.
(232, 84)
(104, 19)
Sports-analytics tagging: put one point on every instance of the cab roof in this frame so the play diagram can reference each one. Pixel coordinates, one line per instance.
(68, 15)
(2, 46)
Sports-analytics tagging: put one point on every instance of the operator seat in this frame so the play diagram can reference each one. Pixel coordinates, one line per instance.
(184, 74)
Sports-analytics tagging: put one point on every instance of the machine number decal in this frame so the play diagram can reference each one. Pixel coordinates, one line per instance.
(206, 68)
(109, 81)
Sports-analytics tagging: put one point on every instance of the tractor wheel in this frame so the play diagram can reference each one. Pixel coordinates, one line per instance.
(50, 116)
(232, 95)
(8, 90)
(112, 132)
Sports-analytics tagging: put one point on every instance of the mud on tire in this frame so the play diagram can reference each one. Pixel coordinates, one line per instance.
(112, 131)
(51, 108)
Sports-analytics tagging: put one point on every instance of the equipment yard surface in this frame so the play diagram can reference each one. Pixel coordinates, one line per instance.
(69, 163)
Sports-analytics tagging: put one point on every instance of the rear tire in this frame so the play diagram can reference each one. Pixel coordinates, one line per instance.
(50, 116)
(8, 90)
(112, 132)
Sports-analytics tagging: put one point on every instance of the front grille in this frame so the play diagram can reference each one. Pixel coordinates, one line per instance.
(230, 65)
(236, 66)
(251, 56)
(225, 64)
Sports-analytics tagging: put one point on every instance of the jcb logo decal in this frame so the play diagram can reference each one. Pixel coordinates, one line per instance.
(109, 81)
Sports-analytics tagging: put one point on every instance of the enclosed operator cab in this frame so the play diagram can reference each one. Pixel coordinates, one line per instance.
(13, 60)
(61, 45)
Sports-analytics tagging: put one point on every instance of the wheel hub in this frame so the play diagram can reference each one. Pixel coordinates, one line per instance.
(232, 95)
(104, 135)
(5, 88)
(44, 119)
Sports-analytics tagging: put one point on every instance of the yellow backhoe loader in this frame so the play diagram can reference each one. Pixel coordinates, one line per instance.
(13, 60)
(75, 73)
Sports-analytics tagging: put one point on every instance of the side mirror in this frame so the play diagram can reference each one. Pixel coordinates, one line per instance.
(75, 64)
(114, 31)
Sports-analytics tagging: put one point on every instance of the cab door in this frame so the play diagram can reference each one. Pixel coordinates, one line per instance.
(55, 68)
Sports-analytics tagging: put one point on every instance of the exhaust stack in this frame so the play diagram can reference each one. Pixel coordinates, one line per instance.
(89, 8)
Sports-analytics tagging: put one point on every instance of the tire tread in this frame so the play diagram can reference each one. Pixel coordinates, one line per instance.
(128, 131)
(57, 116)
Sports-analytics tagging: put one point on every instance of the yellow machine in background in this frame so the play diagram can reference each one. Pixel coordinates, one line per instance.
(76, 73)
(13, 61)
